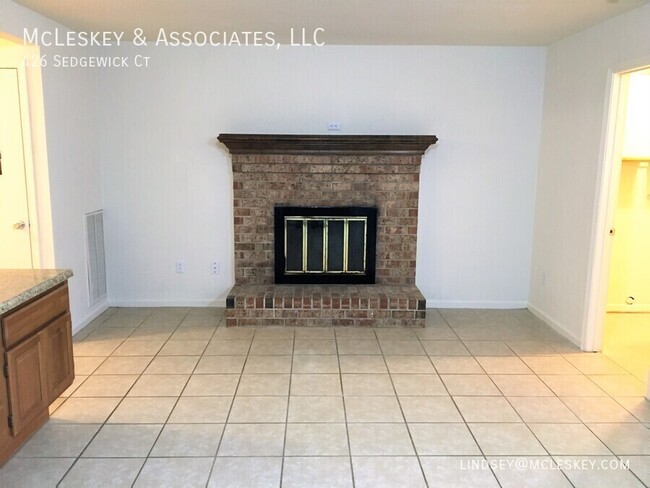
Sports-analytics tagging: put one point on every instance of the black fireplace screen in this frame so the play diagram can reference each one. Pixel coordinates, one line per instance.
(325, 244)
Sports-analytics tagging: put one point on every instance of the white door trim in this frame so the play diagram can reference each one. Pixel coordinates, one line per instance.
(605, 204)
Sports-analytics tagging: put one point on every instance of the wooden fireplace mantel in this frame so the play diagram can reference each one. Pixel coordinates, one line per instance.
(414, 145)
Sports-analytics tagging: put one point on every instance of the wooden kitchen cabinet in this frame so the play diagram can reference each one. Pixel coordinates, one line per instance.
(38, 365)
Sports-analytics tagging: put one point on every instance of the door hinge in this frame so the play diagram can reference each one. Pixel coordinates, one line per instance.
(10, 421)
(5, 370)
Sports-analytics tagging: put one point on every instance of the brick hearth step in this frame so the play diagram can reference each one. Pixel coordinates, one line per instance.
(325, 305)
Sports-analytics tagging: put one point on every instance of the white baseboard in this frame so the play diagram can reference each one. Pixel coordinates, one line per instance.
(94, 312)
(215, 302)
(555, 325)
(475, 304)
(624, 308)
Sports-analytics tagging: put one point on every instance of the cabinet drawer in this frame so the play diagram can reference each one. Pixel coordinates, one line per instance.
(28, 319)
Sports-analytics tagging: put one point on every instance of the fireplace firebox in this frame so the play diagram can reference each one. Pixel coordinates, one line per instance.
(325, 245)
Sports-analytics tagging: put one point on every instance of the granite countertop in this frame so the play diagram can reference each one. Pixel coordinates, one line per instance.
(20, 285)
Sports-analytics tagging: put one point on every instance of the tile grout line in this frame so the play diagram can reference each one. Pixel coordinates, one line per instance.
(286, 417)
(345, 413)
(101, 426)
(232, 402)
(460, 412)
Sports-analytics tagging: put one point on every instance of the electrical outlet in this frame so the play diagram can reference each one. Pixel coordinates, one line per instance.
(333, 126)
(215, 267)
(180, 267)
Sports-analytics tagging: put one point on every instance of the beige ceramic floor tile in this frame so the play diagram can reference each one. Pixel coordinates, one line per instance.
(172, 365)
(445, 348)
(148, 333)
(521, 385)
(418, 385)
(590, 363)
(317, 472)
(572, 385)
(363, 364)
(619, 385)
(171, 472)
(264, 384)
(211, 385)
(380, 439)
(469, 384)
(274, 333)
(123, 441)
(86, 365)
(159, 385)
(233, 333)
(549, 365)
(357, 346)
(106, 386)
(429, 409)
(85, 410)
(506, 440)
(314, 346)
(488, 348)
(409, 364)
(486, 409)
(33, 472)
(124, 365)
(314, 333)
(201, 410)
(59, 440)
(316, 409)
(543, 409)
(537, 472)
(455, 471)
(387, 472)
(373, 409)
(624, 439)
(401, 348)
(316, 440)
(138, 348)
(193, 334)
(244, 472)
(271, 347)
(503, 365)
(443, 440)
(268, 364)
(220, 364)
(314, 364)
(568, 439)
(258, 409)
(315, 384)
(456, 365)
(102, 472)
(143, 410)
(637, 406)
(218, 347)
(183, 348)
(597, 478)
(183, 440)
(252, 440)
(367, 384)
(598, 409)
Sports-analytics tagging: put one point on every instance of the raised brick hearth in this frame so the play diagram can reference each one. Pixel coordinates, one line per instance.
(326, 305)
(378, 171)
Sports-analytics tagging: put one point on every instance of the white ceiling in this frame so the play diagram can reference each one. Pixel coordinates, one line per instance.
(460, 22)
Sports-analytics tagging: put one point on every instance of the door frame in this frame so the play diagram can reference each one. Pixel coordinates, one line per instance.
(30, 96)
(593, 326)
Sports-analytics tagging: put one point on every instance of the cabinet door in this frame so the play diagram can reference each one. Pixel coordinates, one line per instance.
(58, 356)
(27, 381)
(4, 407)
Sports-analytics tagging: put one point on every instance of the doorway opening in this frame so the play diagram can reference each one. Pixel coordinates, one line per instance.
(25, 213)
(618, 314)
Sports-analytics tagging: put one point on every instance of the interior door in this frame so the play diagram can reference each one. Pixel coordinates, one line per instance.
(15, 241)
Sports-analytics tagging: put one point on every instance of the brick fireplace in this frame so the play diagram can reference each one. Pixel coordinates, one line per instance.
(271, 171)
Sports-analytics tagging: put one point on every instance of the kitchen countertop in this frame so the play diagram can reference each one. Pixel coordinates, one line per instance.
(20, 285)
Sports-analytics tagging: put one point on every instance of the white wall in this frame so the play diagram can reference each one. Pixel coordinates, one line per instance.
(572, 147)
(73, 155)
(167, 185)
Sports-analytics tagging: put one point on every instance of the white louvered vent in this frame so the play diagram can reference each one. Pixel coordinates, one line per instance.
(96, 257)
